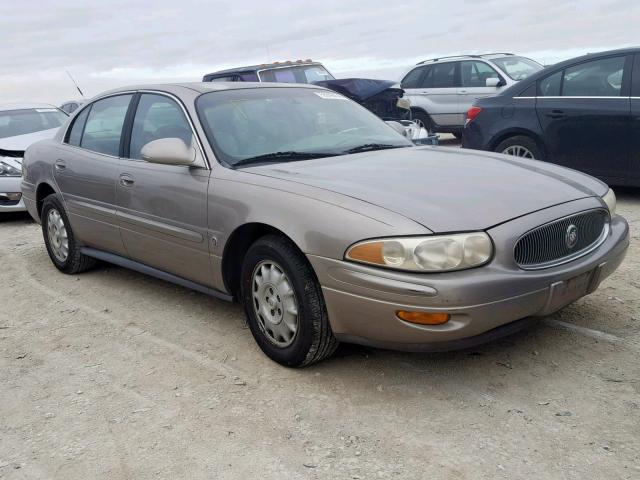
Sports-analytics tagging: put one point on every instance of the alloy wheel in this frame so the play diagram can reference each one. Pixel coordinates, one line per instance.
(518, 151)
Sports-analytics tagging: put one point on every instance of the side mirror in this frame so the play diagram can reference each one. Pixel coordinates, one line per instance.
(168, 151)
(493, 82)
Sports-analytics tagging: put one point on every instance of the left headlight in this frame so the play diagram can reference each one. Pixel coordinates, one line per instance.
(7, 170)
(437, 253)
(610, 199)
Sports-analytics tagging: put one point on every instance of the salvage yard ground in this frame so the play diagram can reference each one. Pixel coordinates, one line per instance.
(115, 375)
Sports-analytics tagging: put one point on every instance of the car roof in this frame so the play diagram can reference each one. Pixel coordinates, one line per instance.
(204, 87)
(24, 106)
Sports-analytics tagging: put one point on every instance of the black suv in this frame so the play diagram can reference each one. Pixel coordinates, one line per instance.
(583, 113)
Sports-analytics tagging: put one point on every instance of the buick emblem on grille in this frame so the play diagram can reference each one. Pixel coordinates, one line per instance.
(571, 236)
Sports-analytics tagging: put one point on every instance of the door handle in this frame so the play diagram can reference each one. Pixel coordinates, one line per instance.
(462, 91)
(556, 114)
(126, 180)
(424, 93)
(60, 165)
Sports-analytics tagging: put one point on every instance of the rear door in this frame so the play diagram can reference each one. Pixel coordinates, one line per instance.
(584, 112)
(162, 209)
(440, 89)
(86, 170)
(473, 82)
(634, 138)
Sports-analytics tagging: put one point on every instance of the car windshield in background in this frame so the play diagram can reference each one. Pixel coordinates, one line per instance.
(29, 120)
(283, 124)
(518, 68)
(295, 74)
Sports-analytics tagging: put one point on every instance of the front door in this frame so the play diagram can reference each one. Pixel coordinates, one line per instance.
(86, 170)
(162, 209)
(584, 112)
(473, 82)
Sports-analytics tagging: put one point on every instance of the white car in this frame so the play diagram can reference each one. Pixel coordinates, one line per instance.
(20, 126)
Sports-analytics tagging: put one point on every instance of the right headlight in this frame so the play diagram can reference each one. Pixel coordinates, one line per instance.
(7, 170)
(436, 253)
(610, 199)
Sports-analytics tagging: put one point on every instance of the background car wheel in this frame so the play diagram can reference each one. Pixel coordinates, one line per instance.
(422, 119)
(59, 240)
(284, 304)
(520, 146)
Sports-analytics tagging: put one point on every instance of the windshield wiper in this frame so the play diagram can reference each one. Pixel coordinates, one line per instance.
(369, 147)
(282, 157)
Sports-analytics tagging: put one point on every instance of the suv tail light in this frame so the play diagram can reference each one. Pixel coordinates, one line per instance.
(472, 113)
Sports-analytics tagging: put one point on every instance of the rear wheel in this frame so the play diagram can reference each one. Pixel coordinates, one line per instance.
(422, 119)
(520, 146)
(284, 305)
(61, 244)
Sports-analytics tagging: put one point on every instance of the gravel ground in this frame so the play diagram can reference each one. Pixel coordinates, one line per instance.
(114, 375)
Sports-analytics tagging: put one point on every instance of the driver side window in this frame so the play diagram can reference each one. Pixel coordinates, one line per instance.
(157, 116)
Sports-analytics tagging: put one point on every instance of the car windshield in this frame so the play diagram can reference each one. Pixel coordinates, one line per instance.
(518, 68)
(29, 120)
(295, 74)
(284, 124)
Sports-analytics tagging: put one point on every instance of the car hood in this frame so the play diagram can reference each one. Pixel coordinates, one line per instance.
(443, 189)
(19, 143)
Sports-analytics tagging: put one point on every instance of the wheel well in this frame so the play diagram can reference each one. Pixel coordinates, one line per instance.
(235, 249)
(516, 133)
(42, 192)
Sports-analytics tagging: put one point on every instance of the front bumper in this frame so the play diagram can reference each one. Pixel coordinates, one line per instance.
(10, 185)
(484, 303)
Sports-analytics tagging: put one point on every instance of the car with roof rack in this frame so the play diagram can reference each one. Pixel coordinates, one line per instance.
(442, 90)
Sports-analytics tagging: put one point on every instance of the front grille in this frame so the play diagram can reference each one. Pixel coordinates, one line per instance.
(561, 240)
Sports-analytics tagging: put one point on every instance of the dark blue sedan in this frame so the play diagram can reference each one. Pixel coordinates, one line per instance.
(583, 113)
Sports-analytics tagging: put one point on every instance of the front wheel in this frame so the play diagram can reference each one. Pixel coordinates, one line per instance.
(284, 305)
(520, 146)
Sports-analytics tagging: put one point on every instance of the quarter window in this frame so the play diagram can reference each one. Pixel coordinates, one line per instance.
(75, 134)
(550, 86)
(475, 74)
(598, 78)
(158, 116)
(104, 125)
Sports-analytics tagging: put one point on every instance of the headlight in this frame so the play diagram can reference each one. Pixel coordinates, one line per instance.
(610, 199)
(437, 253)
(7, 170)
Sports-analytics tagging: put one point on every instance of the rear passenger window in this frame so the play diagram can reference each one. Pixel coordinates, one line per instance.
(158, 117)
(104, 125)
(550, 86)
(75, 134)
(412, 79)
(598, 78)
(442, 75)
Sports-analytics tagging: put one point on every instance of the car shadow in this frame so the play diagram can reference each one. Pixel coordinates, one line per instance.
(15, 218)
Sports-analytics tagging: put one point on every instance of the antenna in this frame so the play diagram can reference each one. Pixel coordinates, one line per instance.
(74, 82)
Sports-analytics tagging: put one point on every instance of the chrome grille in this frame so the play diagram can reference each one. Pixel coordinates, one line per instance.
(550, 245)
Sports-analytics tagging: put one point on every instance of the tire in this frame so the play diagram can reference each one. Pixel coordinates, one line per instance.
(523, 144)
(313, 339)
(423, 118)
(54, 215)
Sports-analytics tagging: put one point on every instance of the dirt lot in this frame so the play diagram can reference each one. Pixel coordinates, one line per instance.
(114, 375)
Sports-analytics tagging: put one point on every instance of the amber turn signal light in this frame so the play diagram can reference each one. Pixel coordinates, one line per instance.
(423, 318)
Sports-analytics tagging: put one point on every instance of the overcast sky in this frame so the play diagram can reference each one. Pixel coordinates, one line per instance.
(106, 44)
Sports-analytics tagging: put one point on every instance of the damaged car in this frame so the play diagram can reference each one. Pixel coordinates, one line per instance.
(20, 126)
